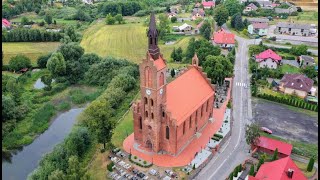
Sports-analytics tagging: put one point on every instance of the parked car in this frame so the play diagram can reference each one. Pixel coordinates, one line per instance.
(135, 171)
(141, 175)
(152, 172)
(264, 129)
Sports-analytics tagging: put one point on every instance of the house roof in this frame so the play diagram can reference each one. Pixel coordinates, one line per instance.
(187, 93)
(277, 170)
(272, 144)
(198, 10)
(254, 7)
(5, 22)
(307, 58)
(265, 3)
(207, 4)
(293, 25)
(183, 26)
(252, 178)
(260, 20)
(197, 4)
(268, 54)
(260, 25)
(223, 37)
(297, 81)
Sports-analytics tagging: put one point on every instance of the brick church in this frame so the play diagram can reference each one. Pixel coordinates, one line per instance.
(170, 115)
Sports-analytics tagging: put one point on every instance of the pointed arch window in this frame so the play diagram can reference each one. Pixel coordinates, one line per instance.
(167, 132)
(151, 102)
(146, 113)
(140, 122)
(145, 101)
(161, 79)
(152, 116)
(147, 76)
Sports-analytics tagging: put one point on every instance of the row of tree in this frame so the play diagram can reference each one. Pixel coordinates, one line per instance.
(13, 8)
(30, 35)
(124, 8)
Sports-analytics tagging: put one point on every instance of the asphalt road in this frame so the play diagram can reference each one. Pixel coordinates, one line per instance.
(235, 150)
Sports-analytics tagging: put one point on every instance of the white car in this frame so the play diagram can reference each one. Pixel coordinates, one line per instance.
(152, 172)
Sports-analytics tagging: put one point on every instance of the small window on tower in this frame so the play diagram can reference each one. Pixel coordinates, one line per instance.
(152, 116)
(145, 100)
(163, 114)
(146, 113)
(167, 132)
(151, 102)
(140, 122)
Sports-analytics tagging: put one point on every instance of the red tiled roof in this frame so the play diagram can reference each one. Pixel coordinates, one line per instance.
(272, 144)
(277, 170)
(209, 3)
(223, 37)
(5, 22)
(252, 178)
(268, 54)
(260, 25)
(159, 63)
(187, 93)
(297, 81)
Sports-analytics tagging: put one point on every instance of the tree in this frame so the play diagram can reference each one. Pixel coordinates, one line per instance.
(56, 65)
(119, 18)
(275, 155)
(48, 18)
(236, 22)
(205, 30)
(173, 73)
(310, 164)
(221, 14)
(235, 172)
(252, 134)
(54, 22)
(42, 60)
(174, 19)
(8, 108)
(71, 33)
(240, 168)
(19, 62)
(164, 27)
(24, 20)
(261, 161)
(251, 172)
(179, 54)
(110, 20)
(233, 6)
(310, 72)
(73, 171)
(47, 80)
(298, 50)
(231, 176)
(174, 54)
(57, 175)
(99, 114)
(71, 51)
(217, 68)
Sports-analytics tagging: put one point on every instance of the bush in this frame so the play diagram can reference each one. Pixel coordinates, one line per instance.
(64, 106)
(218, 136)
(77, 96)
(109, 166)
(19, 62)
(5, 67)
(42, 60)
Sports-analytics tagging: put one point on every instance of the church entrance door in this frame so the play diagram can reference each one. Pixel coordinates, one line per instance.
(149, 144)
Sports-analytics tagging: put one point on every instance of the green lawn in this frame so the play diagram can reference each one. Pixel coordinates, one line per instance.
(285, 68)
(35, 18)
(31, 49)
(310, 17)
(303, 167)
(124, 41)
(124, 128)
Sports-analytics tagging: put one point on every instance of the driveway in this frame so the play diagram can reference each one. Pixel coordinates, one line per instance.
(285, 122)
(290, 62)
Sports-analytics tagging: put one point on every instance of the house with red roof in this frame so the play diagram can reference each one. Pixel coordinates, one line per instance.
(268, 59)
(208, 4)
(282, 169)
(223, 39)
(168, 115)
(268, 145)
(258, 28)
(250, 7)
(5, 23)
(298, 84)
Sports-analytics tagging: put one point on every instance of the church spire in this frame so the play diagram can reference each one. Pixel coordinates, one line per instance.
(153, 38)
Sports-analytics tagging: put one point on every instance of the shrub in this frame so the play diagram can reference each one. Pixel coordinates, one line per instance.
(64, 106)
(19, 62)
(218, 136)
(77, 96)
(144, 162)
(310, 164)
(134, 157)
(109, 166)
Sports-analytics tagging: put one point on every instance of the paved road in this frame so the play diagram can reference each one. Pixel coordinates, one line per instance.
(235, 150)
(313, 51)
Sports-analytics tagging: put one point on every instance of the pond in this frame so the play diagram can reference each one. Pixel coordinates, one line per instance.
(39, 84)
(19, 165)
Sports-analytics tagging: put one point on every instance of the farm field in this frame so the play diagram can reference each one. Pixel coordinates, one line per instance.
(31, 49)
(125, 41)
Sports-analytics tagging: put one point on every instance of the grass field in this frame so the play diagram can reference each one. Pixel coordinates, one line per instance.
(125, 41)
(31, 49)
(303, 168)
(285, 68)
(303, 17)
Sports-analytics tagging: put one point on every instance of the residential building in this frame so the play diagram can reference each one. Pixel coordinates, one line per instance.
(5, 23)
(223, 39)
(305, 60)
(265, 4)
(295, 29)
(258, 28)
(289, 10)
(197, 5)
(268, 59)
(258, 20)
(174, 10)
(185, 28)
(172, 14)
(282, 169)
(169, 115)
(250, 7)
(197, 29)
(268, 145)
(208, 4)
(197, 13)
(298, 84)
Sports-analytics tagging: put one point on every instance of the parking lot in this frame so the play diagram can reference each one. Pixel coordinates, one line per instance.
(285, 122)
(123, 169)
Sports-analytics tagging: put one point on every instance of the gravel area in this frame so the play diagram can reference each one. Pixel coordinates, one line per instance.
(284, 122)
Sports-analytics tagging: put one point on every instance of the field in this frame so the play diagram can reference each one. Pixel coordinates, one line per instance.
(303, 17)
(31, 49)
(125, 41)
(285, 68)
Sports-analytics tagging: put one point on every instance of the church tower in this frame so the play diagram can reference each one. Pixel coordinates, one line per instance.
(147, 121)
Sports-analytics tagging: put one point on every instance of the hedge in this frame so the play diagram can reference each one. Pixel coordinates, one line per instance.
(141, 165)
(292, 102)
(215, 138)
(218, 136)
